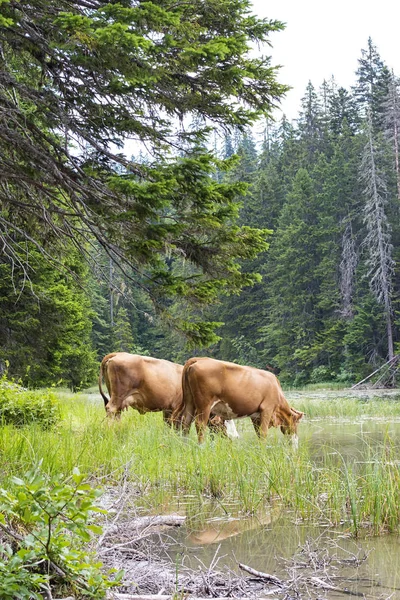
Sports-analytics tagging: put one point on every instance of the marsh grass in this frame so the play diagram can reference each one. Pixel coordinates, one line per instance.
(346, 408)
(241, 478)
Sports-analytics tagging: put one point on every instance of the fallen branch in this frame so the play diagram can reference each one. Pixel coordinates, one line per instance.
(317, 582)
(389, 363)
(139, 524)
(261, 575)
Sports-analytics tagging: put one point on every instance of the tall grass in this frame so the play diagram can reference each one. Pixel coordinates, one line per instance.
(346, 407)
(244, 477)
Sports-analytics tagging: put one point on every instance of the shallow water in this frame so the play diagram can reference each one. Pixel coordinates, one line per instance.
(267, 544)
(268, 548)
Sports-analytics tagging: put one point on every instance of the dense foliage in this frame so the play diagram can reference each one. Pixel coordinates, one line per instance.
(21, 407)
(328, 185)
(44, 522)
(328, 305)
(164, 232)
(80, 78)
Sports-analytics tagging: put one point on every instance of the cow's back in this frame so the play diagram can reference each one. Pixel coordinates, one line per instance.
(143, 382)
(233, 390)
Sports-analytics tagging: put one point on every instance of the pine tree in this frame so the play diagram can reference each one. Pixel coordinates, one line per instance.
(292, 285)
(80, 78)
(311, 124)
(122, 337)
(45, 322)
(343, 112)
(373, 84)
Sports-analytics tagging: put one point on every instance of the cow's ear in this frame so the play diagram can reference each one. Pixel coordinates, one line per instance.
(297, 414)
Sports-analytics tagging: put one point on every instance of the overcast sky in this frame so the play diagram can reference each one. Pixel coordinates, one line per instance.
(322, 39)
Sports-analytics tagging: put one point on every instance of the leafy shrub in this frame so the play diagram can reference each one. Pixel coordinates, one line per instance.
(20, 407)
(44, 526)
(320, 374)
(345, 376)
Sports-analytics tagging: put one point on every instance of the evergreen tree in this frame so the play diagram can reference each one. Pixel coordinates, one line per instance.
(241, 313)
(228, 146)
(292, 285)
(122, 333)
(45, 322)
(80, 78)
(343, 112)
(311, 124)
(372, 84)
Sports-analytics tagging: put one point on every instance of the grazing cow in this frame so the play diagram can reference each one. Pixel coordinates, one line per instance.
(232, 391)
(142, 382)
(148, 385)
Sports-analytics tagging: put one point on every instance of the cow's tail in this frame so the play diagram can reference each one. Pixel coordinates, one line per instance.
(103, 368)
(184, 414)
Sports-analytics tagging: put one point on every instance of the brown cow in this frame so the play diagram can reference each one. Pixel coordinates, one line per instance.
(148, 385)
(142, 382)
(233, 391)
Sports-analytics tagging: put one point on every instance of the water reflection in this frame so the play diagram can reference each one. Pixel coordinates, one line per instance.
(218, 529)
(274, 547)
(269, 542)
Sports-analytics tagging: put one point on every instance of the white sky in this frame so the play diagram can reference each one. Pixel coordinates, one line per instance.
(322, 39)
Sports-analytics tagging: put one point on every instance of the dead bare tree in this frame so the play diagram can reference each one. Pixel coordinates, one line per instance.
(378, 238)
(391, 108)
(347, 270)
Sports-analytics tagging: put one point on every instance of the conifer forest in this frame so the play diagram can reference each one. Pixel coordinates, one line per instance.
(143, 210)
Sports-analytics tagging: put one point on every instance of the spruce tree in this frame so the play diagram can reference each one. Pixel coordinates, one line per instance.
(78, 79)
(292, 284)
(343, 111)
(45, 333)
(372, 84)
(311, 124)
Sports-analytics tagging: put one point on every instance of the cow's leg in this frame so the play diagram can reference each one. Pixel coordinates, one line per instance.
(167, 417)
(216, 425)
(201, 420)
(265, 420)
(231, 430)
(113, 413)
(256, 424)
(186, 420)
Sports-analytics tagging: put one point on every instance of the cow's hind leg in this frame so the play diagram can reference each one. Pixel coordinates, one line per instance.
(185, 419)
(256, 424)
(201, 420)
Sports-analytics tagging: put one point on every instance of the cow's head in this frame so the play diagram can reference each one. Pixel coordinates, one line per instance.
(290, 427)
(286, 420)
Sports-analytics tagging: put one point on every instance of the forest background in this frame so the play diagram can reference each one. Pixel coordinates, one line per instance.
(325, 192)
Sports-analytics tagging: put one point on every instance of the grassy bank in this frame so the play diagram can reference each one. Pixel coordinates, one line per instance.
(241, 478)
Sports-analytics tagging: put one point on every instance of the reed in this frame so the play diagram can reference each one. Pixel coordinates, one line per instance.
(240, 478)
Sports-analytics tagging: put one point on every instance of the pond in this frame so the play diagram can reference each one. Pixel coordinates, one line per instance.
(270, 542)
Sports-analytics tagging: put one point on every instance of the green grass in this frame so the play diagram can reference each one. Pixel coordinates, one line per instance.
(346, 407)
(244, 477)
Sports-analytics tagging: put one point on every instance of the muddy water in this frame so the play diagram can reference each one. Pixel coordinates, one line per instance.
(267, 544)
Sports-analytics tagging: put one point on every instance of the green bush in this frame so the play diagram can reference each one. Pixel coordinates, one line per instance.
(20, 407)
(44, 525)
(320, 374)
